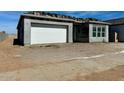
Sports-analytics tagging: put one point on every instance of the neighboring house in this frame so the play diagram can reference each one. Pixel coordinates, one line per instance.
(116, 31)
(41, 27)
(3, 35)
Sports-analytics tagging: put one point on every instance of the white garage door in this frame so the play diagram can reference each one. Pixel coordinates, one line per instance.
(41, 35)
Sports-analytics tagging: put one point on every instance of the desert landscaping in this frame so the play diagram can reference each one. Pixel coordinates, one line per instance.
(70, 61)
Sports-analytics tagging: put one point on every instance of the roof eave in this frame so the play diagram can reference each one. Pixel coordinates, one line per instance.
(99, 22)
(49, 17)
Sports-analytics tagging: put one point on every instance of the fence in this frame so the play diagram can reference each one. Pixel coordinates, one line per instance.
(3, 36)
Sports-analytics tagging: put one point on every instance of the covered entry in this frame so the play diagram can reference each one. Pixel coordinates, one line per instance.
(90, 32)
(81, 32)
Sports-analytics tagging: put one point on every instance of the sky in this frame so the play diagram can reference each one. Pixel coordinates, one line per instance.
(9, 19)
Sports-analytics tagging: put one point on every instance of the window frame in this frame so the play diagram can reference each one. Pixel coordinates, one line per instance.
(94, 31)
(97, 31)
(103, 33)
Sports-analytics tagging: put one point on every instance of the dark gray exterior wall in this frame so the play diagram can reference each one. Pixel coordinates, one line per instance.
(120, 31)
(20, 33)
(81, 32)
(24, 30)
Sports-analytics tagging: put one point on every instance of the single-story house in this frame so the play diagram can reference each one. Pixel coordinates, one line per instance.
(116, 30)
(40, 28)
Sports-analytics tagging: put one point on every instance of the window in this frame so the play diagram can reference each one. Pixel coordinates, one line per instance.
(99, 32)
(94, 28)
(94, 31)
(103, 31)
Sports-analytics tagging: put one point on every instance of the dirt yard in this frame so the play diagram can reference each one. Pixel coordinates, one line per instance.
(77, 61)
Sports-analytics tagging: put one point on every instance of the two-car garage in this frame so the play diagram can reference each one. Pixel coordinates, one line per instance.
(36, 31)
(41, 34)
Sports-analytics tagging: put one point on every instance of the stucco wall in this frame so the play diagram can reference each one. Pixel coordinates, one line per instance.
(27, 29)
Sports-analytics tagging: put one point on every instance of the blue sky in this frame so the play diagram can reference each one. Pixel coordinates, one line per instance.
(9, 19)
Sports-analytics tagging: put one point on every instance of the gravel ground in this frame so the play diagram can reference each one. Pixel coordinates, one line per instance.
(77, 61)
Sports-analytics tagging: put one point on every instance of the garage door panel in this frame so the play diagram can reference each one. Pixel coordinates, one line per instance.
(41, 35)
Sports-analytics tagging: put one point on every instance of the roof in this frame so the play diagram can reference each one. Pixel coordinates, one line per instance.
(58, 17)
(42, 13)
(50, 17)
(116, 21)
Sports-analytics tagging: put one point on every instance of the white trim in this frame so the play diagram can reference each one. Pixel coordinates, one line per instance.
(97, 39)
